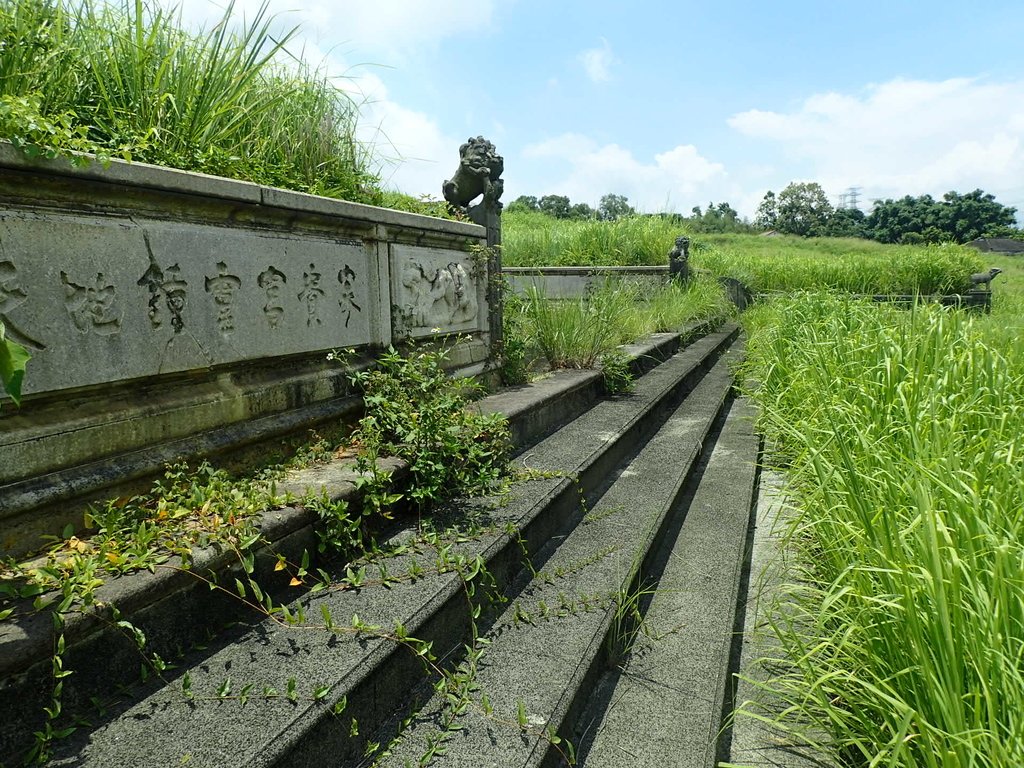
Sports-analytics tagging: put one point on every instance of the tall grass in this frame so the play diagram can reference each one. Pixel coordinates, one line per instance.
(576, 333)
(765, 264)
(784, 264)
(535, 239)
(902, 433)
(130, 80)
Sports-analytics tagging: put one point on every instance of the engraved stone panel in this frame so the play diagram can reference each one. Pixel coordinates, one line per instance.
(98, 299)
(436, 291)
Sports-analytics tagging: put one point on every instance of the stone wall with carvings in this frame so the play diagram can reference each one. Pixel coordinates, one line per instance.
(170, 313)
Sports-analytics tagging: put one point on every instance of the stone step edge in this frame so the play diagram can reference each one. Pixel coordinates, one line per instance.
(720, 482)
(289, 530)
(573, 699)
(440, 612)
(537, 409)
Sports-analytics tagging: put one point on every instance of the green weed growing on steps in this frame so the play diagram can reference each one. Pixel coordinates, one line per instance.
(902, 433)
(131, 81)
(413, 411)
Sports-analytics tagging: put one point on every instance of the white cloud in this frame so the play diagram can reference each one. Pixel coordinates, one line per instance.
(905, 137)
(674, 180)
(597, 62)
(421, 155)
(387, 32)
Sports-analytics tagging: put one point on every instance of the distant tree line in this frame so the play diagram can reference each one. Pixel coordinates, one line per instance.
(610, 208)
(803, 209)
(716, 218)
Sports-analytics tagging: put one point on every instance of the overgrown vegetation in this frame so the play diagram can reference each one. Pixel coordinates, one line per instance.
(900, 432)
(764, 264)
(131, 81)
(413, 411)
(532, 239)
(584, 331)
(786, 264)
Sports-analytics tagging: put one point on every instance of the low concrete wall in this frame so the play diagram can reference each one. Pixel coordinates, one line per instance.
(569, 282)
(171, 314)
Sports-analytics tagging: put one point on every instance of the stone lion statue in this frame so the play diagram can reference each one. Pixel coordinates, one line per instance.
(679, 260)
(479, 173)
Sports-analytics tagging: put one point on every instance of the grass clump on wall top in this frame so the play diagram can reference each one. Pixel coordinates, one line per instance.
(130, 81)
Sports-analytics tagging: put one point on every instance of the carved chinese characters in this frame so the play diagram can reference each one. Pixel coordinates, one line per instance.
(91, 307)
(222, 287)
(272, 281)
(95, 299)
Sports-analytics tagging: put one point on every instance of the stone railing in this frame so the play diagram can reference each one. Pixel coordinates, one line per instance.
(570, 282)
(172, 314)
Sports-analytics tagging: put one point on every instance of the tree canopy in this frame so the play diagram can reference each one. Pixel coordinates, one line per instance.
(959, 218)
(803, 209)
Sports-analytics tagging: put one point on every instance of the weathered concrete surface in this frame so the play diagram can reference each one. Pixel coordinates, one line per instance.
(539, 408)
(165, 309)
(572, 282)
(373, 673)
(664, 706)
(546, 650)
(755, 743)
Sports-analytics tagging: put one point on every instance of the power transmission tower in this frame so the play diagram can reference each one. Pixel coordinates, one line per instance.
(849, 200)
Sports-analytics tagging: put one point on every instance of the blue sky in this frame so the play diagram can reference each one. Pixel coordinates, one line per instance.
(677, 104)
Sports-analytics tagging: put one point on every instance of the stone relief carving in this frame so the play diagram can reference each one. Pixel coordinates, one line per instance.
(311, 294)
(273, 282)
(12, 295)
(91, 307)
(439, 297)
(222, 287)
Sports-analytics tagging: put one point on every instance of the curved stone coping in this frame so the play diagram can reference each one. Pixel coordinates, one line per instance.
(204, 185)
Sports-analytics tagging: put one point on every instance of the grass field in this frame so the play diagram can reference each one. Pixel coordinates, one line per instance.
(901, 433)
(765, 264)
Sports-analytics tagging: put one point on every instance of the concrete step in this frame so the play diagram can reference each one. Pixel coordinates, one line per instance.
(667, 702)
(175, 610)
(549, 647)
(369, 672)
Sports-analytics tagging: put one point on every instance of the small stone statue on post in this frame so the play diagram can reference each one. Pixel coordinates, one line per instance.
(679, 260)
(479, 173)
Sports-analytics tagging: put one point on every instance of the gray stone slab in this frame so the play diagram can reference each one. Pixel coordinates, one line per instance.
(546, 649)
(176, 298)
(665, 708)
(756, 743)
(299, 201)
(136, 175)
(164, 728)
